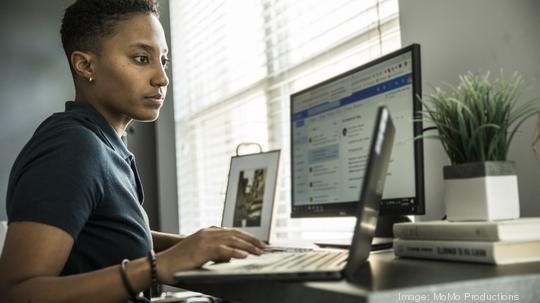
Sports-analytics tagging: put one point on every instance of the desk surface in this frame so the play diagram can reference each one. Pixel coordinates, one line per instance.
(386, 278)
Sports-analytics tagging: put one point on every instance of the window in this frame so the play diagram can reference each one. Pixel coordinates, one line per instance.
(236, 64)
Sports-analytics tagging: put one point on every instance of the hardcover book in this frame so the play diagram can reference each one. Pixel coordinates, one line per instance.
(522, 229)
(469, 251)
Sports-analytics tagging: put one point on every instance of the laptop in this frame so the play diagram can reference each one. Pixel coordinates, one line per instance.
(317, 264)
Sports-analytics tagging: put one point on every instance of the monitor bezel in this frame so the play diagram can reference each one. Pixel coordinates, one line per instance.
(349, 208)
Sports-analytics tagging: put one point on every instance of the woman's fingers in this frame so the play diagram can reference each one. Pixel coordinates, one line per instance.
(210, 244)
(239, 243)
(248, 238)
(232, 252)
(231, 243)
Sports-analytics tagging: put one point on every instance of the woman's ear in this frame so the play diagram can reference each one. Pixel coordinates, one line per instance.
(83, 64)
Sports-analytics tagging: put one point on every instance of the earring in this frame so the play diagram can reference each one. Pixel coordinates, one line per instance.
(90, 79)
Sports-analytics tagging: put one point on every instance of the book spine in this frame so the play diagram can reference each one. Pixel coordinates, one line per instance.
(444, 232)
(445, 250)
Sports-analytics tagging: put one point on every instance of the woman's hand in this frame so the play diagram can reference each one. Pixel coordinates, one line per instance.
(209, 244)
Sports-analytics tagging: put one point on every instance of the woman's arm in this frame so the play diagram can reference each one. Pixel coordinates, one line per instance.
(163, 241)
(34, 255)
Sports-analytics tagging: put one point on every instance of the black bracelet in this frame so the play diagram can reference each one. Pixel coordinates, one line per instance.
(153, 268)
(127, 285)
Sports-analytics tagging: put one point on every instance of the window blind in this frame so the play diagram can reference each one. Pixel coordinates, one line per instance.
(235, 65)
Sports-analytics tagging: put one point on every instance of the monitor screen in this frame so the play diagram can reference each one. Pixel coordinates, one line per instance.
(331, 128)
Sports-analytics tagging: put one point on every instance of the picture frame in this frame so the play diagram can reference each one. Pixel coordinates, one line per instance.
(251, 187)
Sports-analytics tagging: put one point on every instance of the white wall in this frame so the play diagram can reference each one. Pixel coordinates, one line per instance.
(461, 35)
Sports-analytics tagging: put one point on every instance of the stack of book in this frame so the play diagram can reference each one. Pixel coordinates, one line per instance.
(495, 242)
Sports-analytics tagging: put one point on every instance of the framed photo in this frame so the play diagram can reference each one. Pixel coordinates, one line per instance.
(251, 188)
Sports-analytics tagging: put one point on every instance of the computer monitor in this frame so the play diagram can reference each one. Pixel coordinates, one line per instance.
(331, 125)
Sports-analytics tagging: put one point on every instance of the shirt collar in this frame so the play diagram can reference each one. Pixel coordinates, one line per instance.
(106, 128)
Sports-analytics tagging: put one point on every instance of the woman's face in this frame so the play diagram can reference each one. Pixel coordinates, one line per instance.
(130, 80)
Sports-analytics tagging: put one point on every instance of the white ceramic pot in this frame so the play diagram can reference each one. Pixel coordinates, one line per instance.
(481, 191)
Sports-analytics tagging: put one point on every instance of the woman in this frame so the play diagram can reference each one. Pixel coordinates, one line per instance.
(74, 196)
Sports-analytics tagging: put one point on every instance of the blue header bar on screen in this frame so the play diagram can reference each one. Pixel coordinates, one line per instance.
(355, 97)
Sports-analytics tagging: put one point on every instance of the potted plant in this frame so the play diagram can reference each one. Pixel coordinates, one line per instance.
(476, 122)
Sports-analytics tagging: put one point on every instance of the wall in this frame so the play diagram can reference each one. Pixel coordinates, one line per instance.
(166, 146)
(141, 141)
(460, 35)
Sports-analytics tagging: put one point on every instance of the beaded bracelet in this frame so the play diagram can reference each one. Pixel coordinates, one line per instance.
(153, 268)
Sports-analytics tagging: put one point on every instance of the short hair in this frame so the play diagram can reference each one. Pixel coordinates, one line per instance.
(86, 22)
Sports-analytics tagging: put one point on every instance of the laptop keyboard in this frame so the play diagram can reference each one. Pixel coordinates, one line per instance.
(287, 261)
(280, 249)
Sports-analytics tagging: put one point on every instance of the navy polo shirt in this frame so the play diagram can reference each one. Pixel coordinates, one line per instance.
(76, 174)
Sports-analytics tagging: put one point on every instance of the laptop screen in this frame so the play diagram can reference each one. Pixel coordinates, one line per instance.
(372, 189)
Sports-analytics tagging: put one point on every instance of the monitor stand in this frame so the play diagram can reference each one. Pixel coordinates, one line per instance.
(385, 225)
(384, 234)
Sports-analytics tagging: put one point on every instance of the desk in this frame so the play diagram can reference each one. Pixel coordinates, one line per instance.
(386, 278)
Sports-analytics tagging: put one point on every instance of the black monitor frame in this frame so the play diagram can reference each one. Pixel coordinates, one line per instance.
(387, 206)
